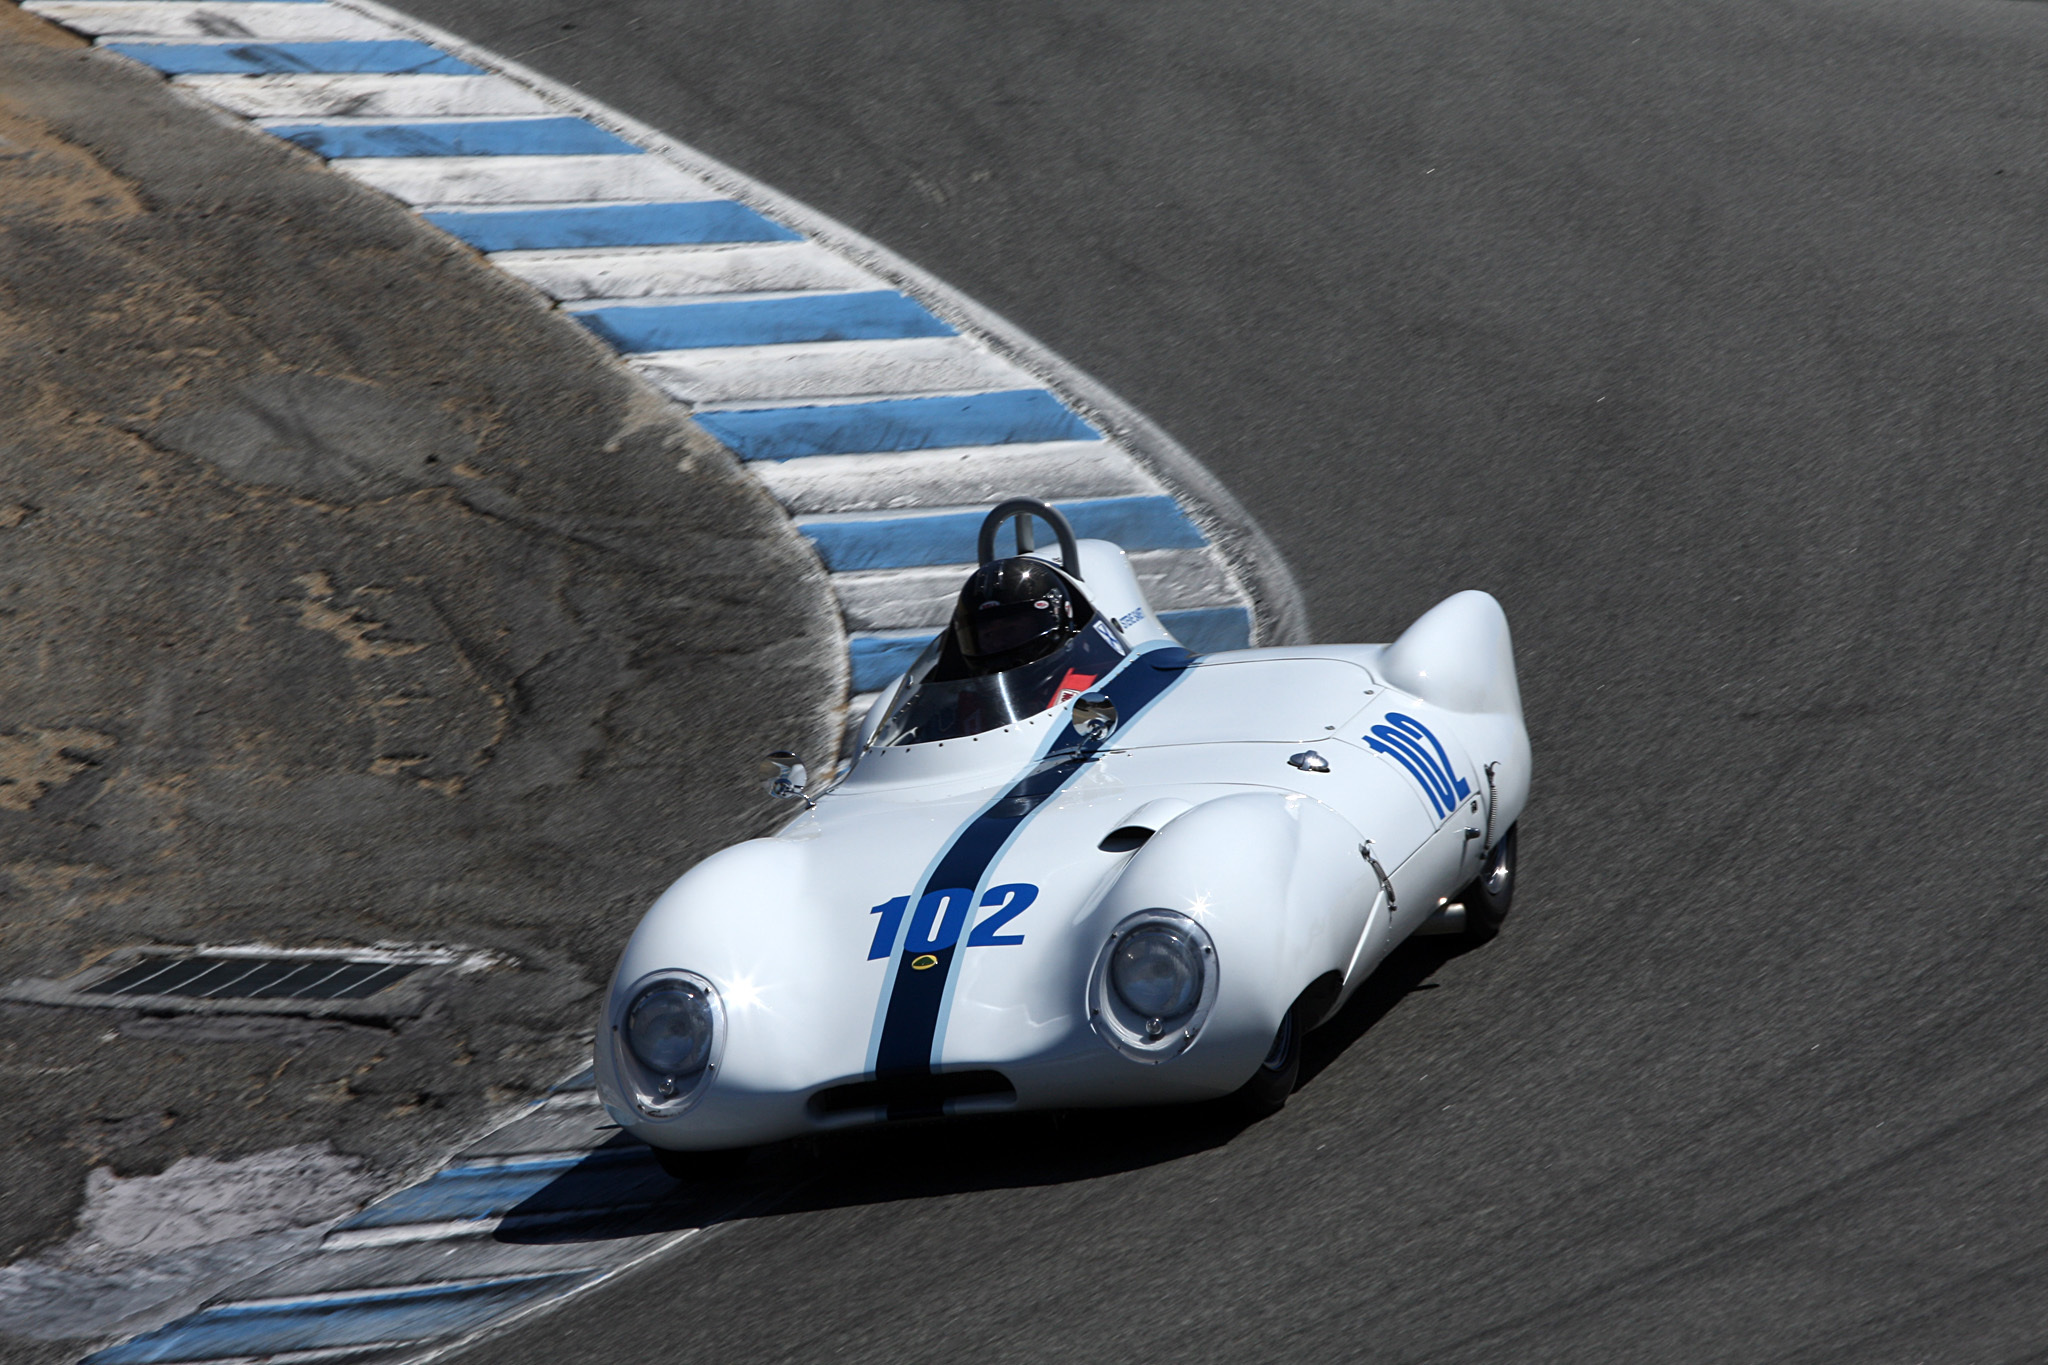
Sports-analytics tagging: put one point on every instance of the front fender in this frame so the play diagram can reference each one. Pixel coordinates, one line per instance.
(1276, 880)
(793, 982)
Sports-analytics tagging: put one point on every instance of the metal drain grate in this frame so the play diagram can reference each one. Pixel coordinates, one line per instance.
(252, 978)
(373, 984)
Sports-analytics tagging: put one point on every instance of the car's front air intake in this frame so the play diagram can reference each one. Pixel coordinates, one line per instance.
(914, 1096)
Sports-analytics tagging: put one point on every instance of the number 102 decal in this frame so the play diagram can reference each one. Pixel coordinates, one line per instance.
(941, 915)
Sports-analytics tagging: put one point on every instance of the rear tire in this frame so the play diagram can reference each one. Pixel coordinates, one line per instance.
(696, 1167)
(1267, 1091)
(1491, 894)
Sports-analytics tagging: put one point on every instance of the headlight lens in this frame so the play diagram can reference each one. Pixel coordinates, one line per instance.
(669, 1029)
(1157, 972)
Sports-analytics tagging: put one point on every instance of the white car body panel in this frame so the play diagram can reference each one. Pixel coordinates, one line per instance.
(1264, 856)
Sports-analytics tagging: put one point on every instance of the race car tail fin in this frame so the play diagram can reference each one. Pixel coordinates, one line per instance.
(1459, 656)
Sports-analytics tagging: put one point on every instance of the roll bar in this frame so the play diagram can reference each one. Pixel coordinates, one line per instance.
(1023, 510)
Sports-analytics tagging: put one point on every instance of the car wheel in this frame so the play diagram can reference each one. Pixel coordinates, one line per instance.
(1267, 1091)
(693, 1167)
(1487, 899)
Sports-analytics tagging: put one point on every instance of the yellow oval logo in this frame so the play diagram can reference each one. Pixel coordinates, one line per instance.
(922, 961)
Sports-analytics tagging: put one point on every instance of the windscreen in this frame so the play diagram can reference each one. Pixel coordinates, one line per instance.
(931, 711)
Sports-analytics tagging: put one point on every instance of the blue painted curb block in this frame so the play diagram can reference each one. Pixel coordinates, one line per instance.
(404, 1314)
(979, 419)
(877, 659)
(602, 225)
(389, 58)
(482, 137)
(609, 1178)
(1141, 523)
(868, 316)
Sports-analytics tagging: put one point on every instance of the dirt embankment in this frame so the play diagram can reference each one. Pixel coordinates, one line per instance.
(345, 596)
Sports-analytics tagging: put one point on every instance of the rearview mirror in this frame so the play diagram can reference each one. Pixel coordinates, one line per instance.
(787, 775)
(1095, 715)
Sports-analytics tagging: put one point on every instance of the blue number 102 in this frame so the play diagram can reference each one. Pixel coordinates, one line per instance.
(1011, 900)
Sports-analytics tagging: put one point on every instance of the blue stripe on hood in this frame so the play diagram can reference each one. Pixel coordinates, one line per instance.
(911, 1025)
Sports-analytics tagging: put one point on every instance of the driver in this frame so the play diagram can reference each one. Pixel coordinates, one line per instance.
(1012, 612)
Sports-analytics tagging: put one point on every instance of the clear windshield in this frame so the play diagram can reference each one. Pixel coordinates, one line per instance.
(930, 711)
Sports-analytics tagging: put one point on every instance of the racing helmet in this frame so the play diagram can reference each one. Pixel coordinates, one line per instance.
(1014, 612)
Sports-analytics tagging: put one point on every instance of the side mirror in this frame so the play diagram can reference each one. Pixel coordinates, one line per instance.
(1095, 715)
(787, 776)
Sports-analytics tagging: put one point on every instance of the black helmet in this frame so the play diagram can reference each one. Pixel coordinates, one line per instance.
(1014, 612)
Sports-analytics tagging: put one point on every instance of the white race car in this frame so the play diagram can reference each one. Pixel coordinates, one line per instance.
(1074, 865)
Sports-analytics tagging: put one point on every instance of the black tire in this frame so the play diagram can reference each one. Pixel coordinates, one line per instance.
(1491, 893)
(696, 1167)
(1267, 1091)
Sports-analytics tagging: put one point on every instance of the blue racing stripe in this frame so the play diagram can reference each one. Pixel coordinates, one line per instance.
(480, 137)
(976, 419)
(709, 220)
(382, 57)
(868, 316)
(413, 1313)
(911, 1022)
(878, 658)
(1205, 630)
(1135, 523)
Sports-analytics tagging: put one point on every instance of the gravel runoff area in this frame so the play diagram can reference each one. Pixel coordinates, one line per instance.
(346, 597)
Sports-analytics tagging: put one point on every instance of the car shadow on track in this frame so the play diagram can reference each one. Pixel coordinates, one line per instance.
(618, 1191)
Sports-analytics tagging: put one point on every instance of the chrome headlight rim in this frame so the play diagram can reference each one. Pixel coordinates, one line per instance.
(656, 1096)
(1122, 1027)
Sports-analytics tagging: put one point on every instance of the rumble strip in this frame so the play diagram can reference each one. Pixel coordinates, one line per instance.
(880, 408)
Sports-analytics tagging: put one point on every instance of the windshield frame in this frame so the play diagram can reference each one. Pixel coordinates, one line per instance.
(926, 712)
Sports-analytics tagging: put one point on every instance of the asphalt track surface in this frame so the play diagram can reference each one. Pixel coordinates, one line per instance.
(1707, 335)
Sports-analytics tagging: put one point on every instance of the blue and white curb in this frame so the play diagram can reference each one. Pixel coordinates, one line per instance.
(539, 1209)
(877, 405)
(883, 411)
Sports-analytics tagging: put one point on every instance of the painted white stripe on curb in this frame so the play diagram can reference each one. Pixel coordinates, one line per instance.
(239, 21)
(891, 367)
(921, 600)
(524, 180)
(956, 476)
(573, 276)
(374, 95)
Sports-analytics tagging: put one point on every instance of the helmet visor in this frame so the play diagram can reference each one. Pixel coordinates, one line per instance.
(999, 627)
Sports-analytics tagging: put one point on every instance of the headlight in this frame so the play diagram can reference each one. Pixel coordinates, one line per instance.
(1158, 972)
(666, 1042)
(669, 1029)
(1153, 985)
